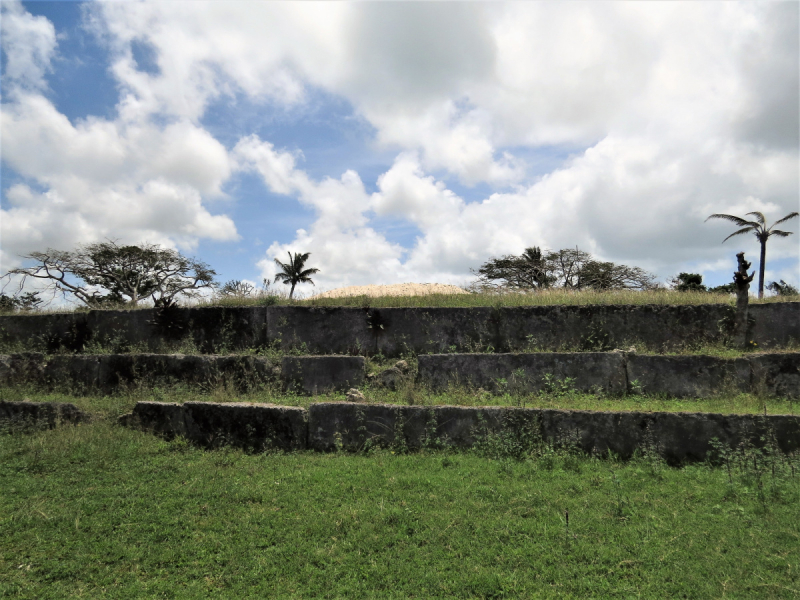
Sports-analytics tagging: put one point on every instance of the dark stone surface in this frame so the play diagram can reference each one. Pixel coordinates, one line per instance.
(588, 371)
(254, 427)
(243, 373)
(677, 437)
(209, 329)
(21, 368)
(44, 332)
(396, 331)
(775, 325)
(79, 374)
(319, 374)
(166, 419)
(321, 330)
(688, 376)
(776, 374)
(39, 415)
(73, 373)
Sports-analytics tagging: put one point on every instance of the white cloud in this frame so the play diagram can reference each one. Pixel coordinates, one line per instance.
(29, 44)
(106, 179)
(675, 111)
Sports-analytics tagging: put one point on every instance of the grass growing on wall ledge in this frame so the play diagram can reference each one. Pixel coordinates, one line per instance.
(552, 297)
(560, 397)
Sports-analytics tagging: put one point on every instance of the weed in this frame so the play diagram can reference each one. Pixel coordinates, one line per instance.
(558, 387)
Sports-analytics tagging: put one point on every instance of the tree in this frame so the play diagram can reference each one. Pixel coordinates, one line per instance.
(599, 275)
(106, 273)
(528, 271)
(566, 265)
(570, 268)
(782, 288)
(25, 301)
(761, 231)
(292, 273)
(236, 288)
(688, 282)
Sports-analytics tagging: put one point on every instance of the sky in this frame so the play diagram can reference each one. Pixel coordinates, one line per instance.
(401, 141)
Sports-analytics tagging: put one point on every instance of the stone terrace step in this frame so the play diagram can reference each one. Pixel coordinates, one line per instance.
(678, 437)
(692, 376)
(396, 331)
(112, 372)
(689, 376)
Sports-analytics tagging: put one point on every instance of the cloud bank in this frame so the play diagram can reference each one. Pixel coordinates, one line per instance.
(668, 112)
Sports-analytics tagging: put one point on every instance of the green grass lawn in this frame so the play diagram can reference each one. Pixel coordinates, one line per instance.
(100, 511)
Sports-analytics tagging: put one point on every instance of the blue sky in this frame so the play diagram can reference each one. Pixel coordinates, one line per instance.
(400, 142)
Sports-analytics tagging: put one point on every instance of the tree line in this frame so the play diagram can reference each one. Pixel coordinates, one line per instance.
(108, 274)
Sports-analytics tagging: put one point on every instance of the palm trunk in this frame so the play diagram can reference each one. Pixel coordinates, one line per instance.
(742, 281)
(291, 292)
(761, 268)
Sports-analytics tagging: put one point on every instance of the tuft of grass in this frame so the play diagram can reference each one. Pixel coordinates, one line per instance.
(99, 510)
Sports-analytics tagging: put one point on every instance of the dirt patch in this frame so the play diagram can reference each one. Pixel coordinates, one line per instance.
(396, 289)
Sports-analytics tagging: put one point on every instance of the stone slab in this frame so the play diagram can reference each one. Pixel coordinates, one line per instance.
(39, 415)
(690, 376)
(776, 374)
(319, 374)
(524, 373)
(254, 427)
(677, 437)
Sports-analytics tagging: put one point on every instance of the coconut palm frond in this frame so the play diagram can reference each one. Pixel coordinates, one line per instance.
(734, 219)
(740, 232)
(292, 273)
(780, 233)
(786, 218)
(759, 217)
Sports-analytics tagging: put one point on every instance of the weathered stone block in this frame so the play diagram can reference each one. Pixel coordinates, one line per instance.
(776, 374)
(320, 374)
(24, 367)
(585, 371)
(321, 330)
(255, 427)
(39, 415)
(75, 374)
(677, 437)
(166, 419)
(688, 376)
(241, 372)
(776, 324)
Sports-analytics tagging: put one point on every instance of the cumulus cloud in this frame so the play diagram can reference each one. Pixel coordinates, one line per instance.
(130, 180)
(671, 111)
(29, 44)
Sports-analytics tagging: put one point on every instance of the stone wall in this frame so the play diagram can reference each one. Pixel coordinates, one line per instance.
(686, 376)
(677, 437)
(395, 331)
(613, 373)
(107, 373)
(15, 416)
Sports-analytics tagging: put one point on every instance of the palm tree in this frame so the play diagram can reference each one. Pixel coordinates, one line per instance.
(761, 231)
(292, 272)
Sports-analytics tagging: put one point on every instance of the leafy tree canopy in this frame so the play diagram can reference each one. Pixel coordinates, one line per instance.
(688, 282)
(107, 273)
(570, 268)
